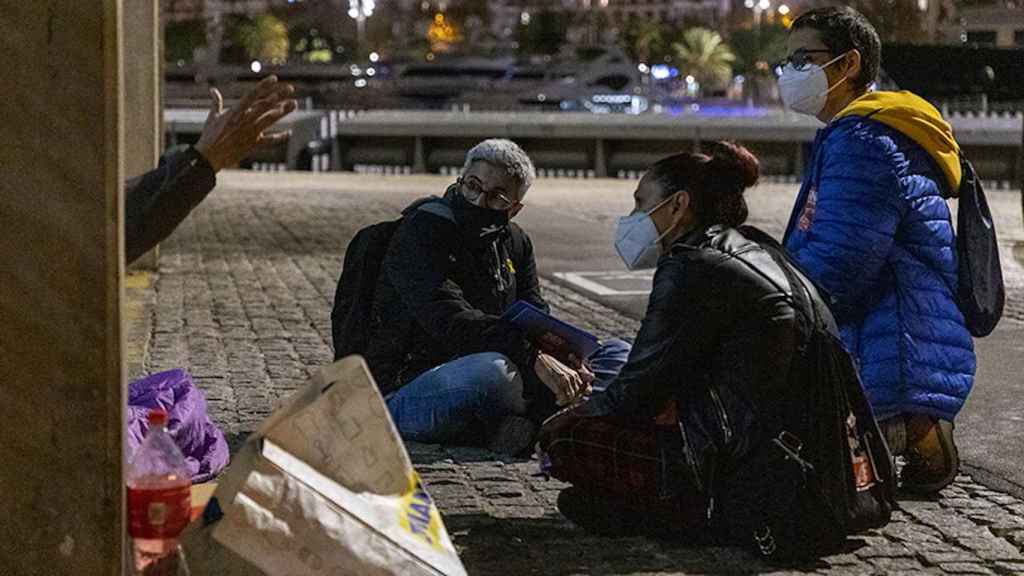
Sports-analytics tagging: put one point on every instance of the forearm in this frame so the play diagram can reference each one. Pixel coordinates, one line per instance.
(159, 200)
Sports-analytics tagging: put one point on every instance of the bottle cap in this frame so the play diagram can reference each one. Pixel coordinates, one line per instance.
(157, 417)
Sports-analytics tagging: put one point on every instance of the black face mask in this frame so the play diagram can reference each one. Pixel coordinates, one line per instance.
(477, 222)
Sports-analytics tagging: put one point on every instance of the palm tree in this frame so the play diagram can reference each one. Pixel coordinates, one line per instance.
(756, 49)
(266, 38)
(644, 37)
(703, 54)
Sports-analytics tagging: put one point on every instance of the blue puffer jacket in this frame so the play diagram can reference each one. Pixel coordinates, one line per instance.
(870, 226)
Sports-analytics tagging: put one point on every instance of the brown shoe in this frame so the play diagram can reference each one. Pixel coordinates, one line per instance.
(894, 430)
(932, 458)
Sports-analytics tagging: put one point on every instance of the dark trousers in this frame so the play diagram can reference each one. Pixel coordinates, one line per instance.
(637, 465)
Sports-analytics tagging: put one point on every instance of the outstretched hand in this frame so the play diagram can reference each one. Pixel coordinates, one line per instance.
(231, 135)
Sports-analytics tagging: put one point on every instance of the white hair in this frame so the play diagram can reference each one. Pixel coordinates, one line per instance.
(507, 155)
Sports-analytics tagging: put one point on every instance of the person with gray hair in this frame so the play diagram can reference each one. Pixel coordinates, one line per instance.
(450, 367)
(507, 154)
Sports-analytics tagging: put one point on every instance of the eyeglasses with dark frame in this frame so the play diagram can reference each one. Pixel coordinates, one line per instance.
(800, 59)
(473, 189)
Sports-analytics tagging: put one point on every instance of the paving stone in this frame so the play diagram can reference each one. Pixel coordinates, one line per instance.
(936, 558)
(842, 560)
(860, 570)
(520, 511)
(885, 551)
(1016, 538)
(242, 300)
(889, 565)
(965, 568)
(967, 502)
(502, 489)
(911, 533)
(1009, 567)
(991, 548)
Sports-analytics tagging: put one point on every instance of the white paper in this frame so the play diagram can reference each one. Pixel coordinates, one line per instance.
(325, 487)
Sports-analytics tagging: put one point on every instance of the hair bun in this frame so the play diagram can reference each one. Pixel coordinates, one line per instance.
(732, 167)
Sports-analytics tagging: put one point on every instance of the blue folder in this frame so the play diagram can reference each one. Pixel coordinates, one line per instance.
(549, 333)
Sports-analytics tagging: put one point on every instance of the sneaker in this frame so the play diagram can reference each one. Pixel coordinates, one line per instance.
(514, 436)
(932, 458)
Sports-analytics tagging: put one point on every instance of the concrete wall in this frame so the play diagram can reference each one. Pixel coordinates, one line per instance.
(143, 120)
(427, 141)
(61, 373)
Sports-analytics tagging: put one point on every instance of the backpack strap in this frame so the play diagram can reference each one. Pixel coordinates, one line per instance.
(438, 208)
(435, 205)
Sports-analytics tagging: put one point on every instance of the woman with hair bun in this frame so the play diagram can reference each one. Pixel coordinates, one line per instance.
(660, 450)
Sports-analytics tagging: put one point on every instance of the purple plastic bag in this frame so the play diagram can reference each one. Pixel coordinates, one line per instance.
(202, 443)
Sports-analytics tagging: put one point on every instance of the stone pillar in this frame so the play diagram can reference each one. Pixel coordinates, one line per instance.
(143, 122)
(62, 390)
(600, 158)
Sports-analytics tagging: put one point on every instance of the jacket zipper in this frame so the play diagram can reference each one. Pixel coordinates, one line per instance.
(690, 460)
(723, 417)
(498, 277)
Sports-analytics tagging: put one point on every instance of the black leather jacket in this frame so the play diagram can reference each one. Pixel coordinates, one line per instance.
(720, 335)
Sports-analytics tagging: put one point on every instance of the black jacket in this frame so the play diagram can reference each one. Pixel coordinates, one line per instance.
(714, 316)
(441, 293)
(156, 202)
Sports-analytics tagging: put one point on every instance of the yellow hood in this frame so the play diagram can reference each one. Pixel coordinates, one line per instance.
(917, 119)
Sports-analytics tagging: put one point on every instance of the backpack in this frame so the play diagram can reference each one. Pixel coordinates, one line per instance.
(353, 298)
(822, 469)
(980, 291)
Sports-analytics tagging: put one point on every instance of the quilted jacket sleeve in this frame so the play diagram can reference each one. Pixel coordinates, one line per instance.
(851, 219)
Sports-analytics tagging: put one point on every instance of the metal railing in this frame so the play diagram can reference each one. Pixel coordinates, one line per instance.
(576, 145)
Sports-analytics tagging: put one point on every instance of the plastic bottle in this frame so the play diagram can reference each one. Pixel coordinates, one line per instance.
(159, 502)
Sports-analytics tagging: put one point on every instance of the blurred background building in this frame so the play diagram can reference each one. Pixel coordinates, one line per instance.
(385, 53)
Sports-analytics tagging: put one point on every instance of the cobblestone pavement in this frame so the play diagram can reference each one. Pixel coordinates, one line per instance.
(242, 300)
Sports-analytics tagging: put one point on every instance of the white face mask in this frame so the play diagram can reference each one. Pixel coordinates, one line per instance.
(637, 240)
(806, 91)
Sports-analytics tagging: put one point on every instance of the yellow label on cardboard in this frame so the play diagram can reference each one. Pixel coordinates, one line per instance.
(419, 515)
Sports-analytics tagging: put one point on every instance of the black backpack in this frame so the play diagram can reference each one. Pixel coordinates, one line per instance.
(353, 298)
(980, 291)
(822, 469)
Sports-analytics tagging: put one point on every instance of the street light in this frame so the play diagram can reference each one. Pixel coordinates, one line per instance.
(360, 10)
(759, 9)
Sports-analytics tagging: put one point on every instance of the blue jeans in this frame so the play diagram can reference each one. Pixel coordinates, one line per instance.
(472, 395)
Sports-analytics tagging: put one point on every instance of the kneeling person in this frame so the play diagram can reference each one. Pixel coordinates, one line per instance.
(451, 369)
(722, 384)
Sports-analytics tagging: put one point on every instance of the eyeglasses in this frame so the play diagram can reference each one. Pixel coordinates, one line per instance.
(800, 59)
(473, 190)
